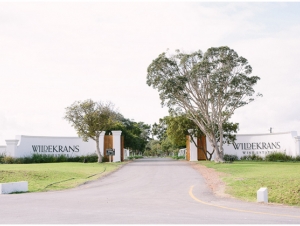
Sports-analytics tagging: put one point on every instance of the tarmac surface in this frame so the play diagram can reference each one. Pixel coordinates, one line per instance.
(145, 191)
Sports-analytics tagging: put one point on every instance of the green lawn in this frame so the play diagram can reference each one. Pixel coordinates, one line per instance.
(244, 178)
(54, 176)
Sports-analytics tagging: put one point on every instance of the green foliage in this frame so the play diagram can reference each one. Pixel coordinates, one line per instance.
(160, 130)
(174, 128)
(138, 156)
(105, 159)
(153, 148)
(177, 129)
(178, 157)
(252, 157)
(273, 157)
(280, 157)
(7, 160)
(230, 158)
(135, 157)
(136, 134)
(41, 158)
(90, 118)
(207, 87)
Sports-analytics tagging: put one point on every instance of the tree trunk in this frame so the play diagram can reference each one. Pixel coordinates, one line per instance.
(98, 150)
(218, 153)
(220, 149)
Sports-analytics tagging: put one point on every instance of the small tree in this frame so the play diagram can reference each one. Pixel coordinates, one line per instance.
(208, 87)
(90, 118)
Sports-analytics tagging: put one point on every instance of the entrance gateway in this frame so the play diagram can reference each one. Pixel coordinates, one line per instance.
(248, 144)
(23, 146)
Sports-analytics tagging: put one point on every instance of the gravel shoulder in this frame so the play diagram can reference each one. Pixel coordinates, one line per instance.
(212, 179)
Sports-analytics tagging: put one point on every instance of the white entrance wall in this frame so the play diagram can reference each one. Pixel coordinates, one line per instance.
(70, 146)
(263, 144)
(2, 149)
(126, 153)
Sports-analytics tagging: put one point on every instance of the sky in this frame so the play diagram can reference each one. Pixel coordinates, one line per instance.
(54, 53)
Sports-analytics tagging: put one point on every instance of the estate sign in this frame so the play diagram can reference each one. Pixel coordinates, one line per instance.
(110, 151)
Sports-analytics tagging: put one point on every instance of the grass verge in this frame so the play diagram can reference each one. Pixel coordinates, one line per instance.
(55, 176)
(244, 178)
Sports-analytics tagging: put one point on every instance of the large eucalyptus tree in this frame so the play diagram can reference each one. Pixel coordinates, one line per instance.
(207, 87)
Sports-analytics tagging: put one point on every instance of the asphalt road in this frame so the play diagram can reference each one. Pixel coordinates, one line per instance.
(146, 191)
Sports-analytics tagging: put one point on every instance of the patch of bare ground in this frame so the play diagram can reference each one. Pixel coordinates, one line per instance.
(212, 179)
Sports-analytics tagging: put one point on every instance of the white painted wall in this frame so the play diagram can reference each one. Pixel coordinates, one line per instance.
(126, 153)
(263, 144)
(2, 150)
(182, 152)
(70, 146)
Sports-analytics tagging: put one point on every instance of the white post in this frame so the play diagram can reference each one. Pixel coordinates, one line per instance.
(262, 195)
(117, 145)
(11, 148)
(101, 142)
(193, 150)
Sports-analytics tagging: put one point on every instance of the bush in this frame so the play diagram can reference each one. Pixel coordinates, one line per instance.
(178, 157)
(252, 157)
(138, 157)
(1, 157)
(40, 158)
(230, 158)
(135, 157)
(279, 157)
(8, 160)
(105, 159)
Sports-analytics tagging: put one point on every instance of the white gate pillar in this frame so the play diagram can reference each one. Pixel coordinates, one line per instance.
(11, 148)
(101, 142)
(117, 145)
(193, 150)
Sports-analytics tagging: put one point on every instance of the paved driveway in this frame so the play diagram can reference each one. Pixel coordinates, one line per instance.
(156, 191)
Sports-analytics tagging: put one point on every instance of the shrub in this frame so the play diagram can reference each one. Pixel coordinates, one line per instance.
(230, 158)
(252, 157)
(178, 157)
(43, 158)
(138, 157)
(279, 157)
(8, 160)
(2, 155)
(105, 159)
